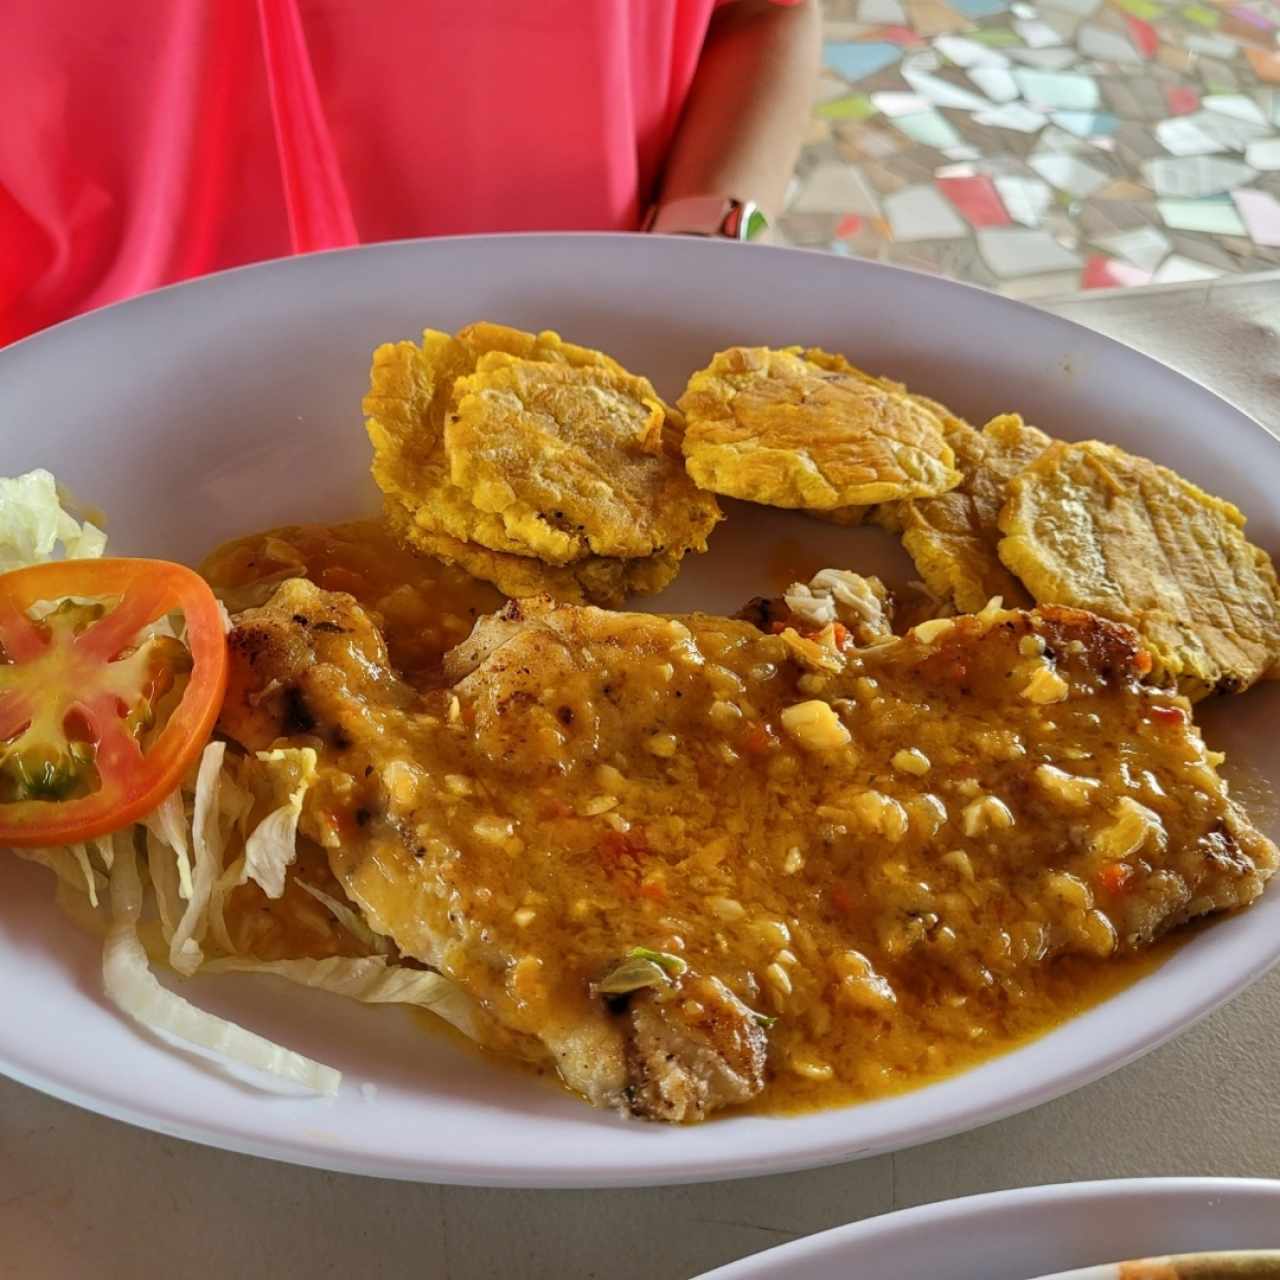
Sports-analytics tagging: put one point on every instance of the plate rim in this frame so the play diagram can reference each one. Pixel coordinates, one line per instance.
(895, 1222)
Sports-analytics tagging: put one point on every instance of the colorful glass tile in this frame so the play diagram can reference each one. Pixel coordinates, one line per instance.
(1037, 34)
(1260, 211)
(1063, 91)
(899, 104)
(1195, 176)
(1209, 46)
(836, 188)
(977, 200)
(964, 52)
(980, 8)
(996, 82)
(854, 60)
(929, 129)
(1144, 9)
(1252, 17)
(1182, 99)
(1201, 14)
(1215, 216)
(1069, 174)
(1019, 251)
(1012, 115)
(1106, 46)
(1264, 154)
(1237, 106)
(1144, 247)
(921, 213)
(1230, 131)
(996, 38)
(1086, 124)
(1026, 199)
(1108, 273)
(1144, 36)
(854, 106)
(935, 18)
(942, 93)
(926, 60)
(1181, 136)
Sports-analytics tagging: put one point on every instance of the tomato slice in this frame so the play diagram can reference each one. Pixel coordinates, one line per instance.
(79, 685)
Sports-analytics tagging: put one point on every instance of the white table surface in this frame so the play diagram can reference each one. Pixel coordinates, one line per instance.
(81, 1195)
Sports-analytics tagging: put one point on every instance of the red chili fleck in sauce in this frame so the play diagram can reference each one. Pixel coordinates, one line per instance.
(1115, 876)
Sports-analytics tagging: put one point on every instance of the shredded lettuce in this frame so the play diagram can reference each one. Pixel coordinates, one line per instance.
(168, 824)
(72, 870)
(162, 867)
(33, 522)
(272, 845)
(371, 980)
(134, 989)
(185, 953)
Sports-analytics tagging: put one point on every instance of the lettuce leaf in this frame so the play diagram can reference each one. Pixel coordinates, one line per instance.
(133, 988)
(185, 953)
(371, 980)
(272, 845)
(168, 825)
(33, 523)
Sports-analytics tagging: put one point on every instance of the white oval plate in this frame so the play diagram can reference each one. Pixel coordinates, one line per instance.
(233, 403)
(1015, 1235)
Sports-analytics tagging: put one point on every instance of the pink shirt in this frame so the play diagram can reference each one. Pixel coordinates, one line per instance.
(146, 141)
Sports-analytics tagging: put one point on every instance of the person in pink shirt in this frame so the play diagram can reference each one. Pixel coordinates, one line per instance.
(147, 142)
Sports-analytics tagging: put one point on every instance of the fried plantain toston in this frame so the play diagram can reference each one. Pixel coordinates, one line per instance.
(1092, 526)
(410, 395)
(602, 580)
(807, 430)
(953, 538)
(574, 460)
(528, 445)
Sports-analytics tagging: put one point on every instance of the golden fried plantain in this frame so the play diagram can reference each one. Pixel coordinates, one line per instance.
(806, 429)
(591, 467)
(575, 460)
(953, 538)
(602, 580)
(1090, 525)
(410, 391)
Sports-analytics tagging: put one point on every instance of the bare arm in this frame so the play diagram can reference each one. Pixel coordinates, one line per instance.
(748, 106)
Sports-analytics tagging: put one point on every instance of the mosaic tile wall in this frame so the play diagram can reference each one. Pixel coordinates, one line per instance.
(1043, 148)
